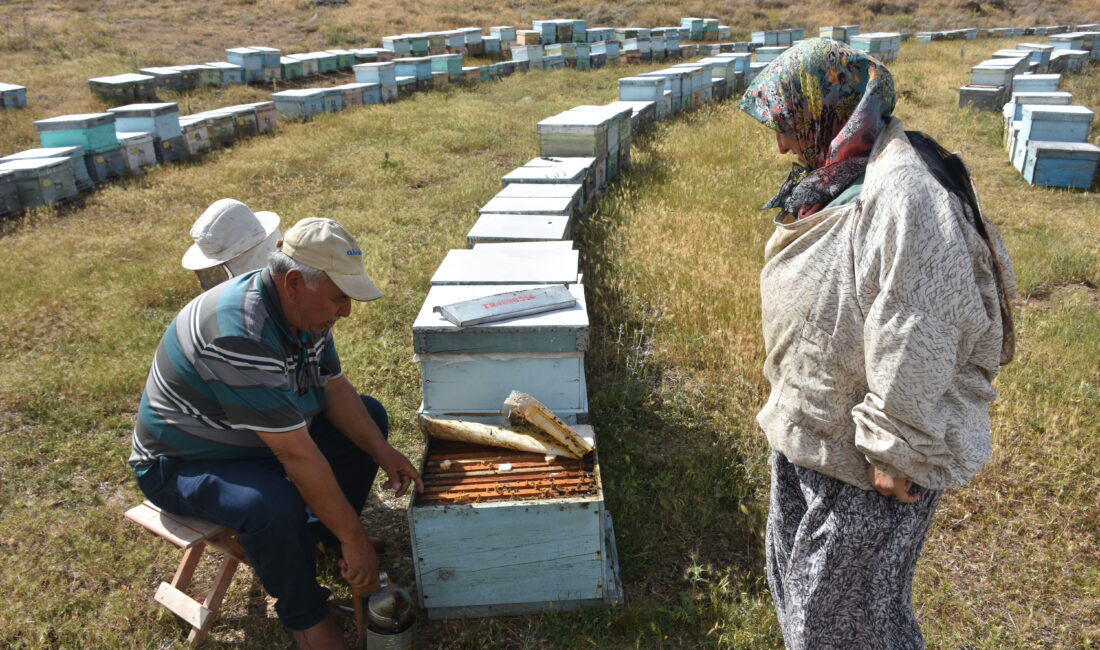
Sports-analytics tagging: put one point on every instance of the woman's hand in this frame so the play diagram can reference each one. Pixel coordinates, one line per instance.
(895, 486)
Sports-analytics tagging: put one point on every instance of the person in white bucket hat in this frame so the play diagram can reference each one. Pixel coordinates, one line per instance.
(230, 239)
(248, 421)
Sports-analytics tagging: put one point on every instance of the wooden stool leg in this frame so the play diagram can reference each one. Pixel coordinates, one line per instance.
(186, 569)
(214, 599)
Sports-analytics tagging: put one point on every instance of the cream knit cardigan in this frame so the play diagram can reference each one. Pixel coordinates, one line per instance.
(882, 328)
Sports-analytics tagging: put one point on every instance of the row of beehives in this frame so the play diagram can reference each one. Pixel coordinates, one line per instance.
(261, 64)
(1045, 136)
(256, 64)
(993, 81)
(81, 151)
(535, 536)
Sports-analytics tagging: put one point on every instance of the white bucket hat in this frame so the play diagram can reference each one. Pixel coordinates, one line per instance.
(226, 230)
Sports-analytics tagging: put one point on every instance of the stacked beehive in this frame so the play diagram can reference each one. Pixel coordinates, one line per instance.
(884, 46)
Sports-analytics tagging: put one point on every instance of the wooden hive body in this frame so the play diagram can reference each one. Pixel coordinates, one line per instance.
(196, 133)
(534, 538)
(1048, 123)
(42, 181)
(75, 154)
(160, 119)
(1062, 164)
(138, 150)
(299, 104)
(9, 194)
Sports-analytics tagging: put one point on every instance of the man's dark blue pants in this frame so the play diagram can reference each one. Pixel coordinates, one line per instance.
(254, 497)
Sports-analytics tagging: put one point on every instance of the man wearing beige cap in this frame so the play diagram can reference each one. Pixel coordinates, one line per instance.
(247, 421)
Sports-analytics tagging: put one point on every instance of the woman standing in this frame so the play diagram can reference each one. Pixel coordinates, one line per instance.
(885, 313)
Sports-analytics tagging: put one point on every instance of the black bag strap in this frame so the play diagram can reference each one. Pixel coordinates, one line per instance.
(951, 172)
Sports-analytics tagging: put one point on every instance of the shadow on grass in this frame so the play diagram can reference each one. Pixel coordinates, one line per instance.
(688, 515)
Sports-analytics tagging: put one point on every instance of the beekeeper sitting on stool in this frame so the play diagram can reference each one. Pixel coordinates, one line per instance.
(230, 240)
(248, 421)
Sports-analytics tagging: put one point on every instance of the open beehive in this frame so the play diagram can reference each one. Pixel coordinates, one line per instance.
(500, 532)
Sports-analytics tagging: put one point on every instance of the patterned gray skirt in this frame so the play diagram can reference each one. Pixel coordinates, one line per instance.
(840, 561)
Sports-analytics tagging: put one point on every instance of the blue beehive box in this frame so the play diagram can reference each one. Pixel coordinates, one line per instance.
(382, 73)
(93, 131)
(334, 100)
(246, 119)
(42, 181)
(419, 67)
(1046, 123)
(231, 73)
(524, 551)
(250, 60)
(221, 127)
(1062, 164)
(161, 119)
(490, 44)
(271, 57)
(9, 195)
(74, 154)
(300, 104)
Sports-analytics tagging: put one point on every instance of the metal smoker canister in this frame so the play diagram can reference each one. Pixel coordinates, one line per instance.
(390, 616)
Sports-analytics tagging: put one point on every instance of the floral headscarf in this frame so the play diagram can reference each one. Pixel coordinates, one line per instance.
(834, 100)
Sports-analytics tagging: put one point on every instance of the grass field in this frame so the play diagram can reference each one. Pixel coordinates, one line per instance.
(671, 259)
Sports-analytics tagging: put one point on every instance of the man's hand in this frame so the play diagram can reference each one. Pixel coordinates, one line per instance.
(359, 564)
(895, 486)
(399, 470)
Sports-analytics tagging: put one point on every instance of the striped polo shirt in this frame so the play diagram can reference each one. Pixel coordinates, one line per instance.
(227, 367)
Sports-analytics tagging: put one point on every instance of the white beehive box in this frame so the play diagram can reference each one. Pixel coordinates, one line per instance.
(518, 228)
(503, 267)
(161, 119)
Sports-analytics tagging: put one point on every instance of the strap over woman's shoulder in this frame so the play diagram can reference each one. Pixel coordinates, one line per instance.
(951, 172)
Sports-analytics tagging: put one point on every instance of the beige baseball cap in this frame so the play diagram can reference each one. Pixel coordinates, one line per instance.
(327, 246)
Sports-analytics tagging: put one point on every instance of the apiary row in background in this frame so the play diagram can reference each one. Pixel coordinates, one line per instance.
(1046, 137)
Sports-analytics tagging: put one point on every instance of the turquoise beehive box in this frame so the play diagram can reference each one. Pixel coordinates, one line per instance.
(292, 68)
(160, 119)
(93, 131)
